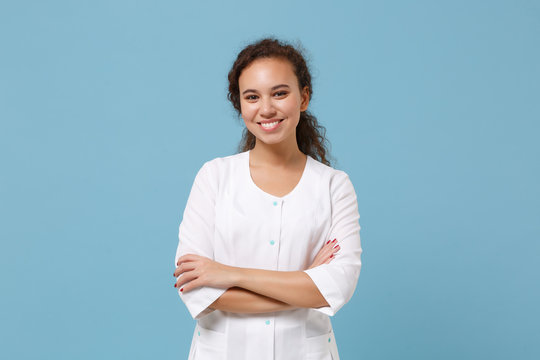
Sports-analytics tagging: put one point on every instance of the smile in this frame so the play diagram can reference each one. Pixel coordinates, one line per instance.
(269, 126)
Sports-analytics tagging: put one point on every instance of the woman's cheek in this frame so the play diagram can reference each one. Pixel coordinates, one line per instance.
(249, 112)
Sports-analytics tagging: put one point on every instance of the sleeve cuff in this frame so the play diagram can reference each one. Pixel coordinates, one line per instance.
(198, 300)
(328, 288)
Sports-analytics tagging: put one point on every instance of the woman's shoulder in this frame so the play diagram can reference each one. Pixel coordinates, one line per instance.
(326, 171)
(222, 164)
(336, 180)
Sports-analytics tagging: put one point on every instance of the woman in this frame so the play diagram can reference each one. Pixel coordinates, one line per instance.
(269, 243)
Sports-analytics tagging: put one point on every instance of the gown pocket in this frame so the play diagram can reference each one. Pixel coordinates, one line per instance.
(211, 344)
(321, 347)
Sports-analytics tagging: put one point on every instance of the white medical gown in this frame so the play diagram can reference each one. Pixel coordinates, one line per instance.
(229, 219)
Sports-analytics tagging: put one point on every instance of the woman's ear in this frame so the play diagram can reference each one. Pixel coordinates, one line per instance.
(305, 99)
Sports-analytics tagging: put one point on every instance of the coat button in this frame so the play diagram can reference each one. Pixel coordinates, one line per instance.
(267, 322)
(199, 333)
(272, 242)
(275, 203)
(328, 339)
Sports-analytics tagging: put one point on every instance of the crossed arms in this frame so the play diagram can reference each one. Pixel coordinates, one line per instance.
(254, 290)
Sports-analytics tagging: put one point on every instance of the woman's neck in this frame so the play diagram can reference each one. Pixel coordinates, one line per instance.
(276, 155)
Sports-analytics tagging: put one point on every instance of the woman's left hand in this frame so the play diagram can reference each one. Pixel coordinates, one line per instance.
(199, 271)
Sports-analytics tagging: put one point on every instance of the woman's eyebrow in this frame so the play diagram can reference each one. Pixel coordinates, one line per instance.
(273, 88)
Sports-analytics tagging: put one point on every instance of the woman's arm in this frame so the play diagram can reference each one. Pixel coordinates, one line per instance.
(291, 287)
(284, 288)
(240, 300)
(262, 290)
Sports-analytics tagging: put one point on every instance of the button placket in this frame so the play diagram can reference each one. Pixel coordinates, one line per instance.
(267, 323)
(267, 347)
(275, 230)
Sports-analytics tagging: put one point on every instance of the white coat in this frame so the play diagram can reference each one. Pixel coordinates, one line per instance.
(229, 219)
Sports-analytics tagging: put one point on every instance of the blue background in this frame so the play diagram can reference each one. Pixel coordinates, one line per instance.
(109, 108)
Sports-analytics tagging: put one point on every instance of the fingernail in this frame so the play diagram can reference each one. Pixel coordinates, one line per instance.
(327, 242)
(334, 240)
(182, 289)
(335, 247)
(175, 285)
(332, 255)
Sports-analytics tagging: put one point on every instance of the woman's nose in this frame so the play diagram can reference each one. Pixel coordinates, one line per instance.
(267, 108)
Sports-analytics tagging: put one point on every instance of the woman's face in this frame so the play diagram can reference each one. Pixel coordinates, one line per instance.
(270, 100)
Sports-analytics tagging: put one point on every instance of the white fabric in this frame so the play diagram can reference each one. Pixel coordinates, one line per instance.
(228, 218)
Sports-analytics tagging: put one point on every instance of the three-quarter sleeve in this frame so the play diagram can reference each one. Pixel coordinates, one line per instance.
(337, 280)
(196, 236)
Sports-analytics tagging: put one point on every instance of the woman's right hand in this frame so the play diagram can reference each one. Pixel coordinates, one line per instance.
(326, 254)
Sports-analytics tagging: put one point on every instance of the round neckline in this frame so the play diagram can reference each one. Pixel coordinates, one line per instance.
(290, 193)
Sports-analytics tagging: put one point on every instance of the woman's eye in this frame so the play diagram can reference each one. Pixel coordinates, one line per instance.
(254, 97)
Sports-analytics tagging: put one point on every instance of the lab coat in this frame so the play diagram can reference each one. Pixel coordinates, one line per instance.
(229, 219)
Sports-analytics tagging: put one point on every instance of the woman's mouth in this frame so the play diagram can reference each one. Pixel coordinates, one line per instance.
(269, 126)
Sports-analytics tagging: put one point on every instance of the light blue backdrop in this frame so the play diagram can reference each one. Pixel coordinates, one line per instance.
(108, 109)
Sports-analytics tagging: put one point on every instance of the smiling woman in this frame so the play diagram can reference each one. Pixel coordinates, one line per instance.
(269, 244)
(275, 109)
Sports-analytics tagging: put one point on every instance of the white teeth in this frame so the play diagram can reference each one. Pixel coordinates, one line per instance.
(269, 125)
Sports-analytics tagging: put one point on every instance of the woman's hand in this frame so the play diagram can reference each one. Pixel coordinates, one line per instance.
(198, 271)
(326, 254)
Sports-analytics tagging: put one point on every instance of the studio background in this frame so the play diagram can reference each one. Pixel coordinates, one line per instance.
(109, 108)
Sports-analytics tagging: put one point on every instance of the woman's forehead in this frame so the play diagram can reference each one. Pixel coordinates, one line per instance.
(266, 73)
